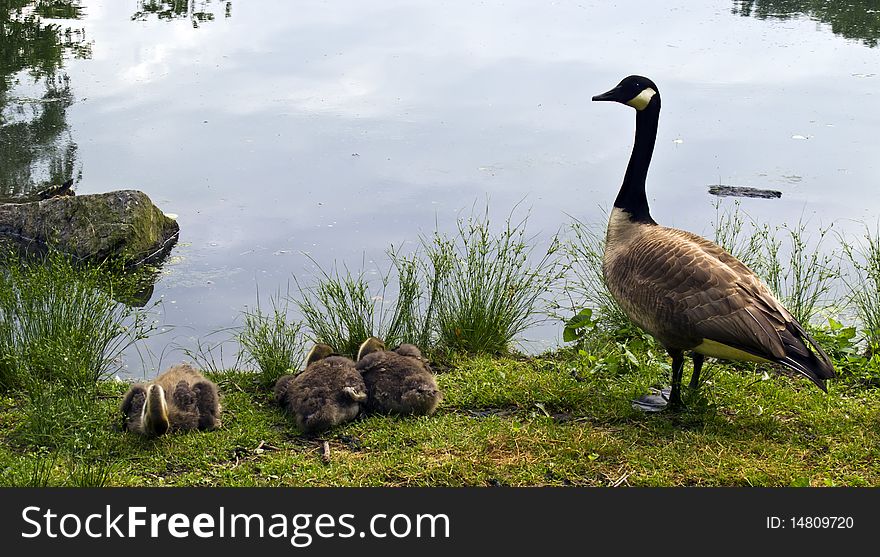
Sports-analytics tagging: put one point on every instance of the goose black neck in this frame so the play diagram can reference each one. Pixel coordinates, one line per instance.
(632, 197)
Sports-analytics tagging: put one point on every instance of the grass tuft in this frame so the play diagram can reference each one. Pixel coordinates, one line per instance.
(342, 309)
(272, 340)
(584, 282)
(795, 267)
(863, 288)
(489, 287)
(474, 291)
(59, 321)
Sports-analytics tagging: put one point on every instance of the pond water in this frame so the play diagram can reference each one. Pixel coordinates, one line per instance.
(284, 134)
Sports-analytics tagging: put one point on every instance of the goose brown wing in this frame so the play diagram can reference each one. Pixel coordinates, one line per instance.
(769, 332)
(733, 306)
(713, 296)
(697, 295)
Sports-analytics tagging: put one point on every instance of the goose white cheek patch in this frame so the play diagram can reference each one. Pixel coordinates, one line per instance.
(640, 101)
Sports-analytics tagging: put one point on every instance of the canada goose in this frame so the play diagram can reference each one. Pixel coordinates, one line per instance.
(398, 381)
(178, 399)
(686, 291)
(327, 393)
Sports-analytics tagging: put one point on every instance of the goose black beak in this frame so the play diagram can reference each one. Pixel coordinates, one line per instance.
(612, 95)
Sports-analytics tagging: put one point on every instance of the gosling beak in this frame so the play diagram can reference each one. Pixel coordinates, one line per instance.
(612, 95)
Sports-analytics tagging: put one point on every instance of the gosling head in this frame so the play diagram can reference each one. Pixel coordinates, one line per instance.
(319, 352)
(369, 346)
(410, 350)
(636, 91)
(154, 416)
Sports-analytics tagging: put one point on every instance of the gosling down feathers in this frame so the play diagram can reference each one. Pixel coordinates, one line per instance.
(179, 399)
(327, 393)
(398, 381)
(686, 291)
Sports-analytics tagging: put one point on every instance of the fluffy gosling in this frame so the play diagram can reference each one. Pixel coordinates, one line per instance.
(398, 381)
(329, 392)
(179, 399)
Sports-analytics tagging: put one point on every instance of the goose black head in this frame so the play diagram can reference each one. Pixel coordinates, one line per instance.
(635, 91)
(319, 352)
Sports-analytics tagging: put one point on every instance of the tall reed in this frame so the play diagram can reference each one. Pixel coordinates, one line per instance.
(489, 287)
(272, 339)
(863, 287)
(583, 285)
(59, 321)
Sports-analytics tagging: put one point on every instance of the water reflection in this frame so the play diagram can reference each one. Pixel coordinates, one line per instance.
(36, 145)
(853, 19)
(197, 11)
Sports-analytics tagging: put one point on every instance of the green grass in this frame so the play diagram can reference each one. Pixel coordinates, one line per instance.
(490, 287)
(863, 286)
(804, 282)
(474, 291)
(273, 340)
(62, 331)
(343, 308)
(59, 321)
(583, 283)
(553, 420)
(738, 233)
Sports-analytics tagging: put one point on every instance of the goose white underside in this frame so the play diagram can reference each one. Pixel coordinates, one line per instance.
(716, 349)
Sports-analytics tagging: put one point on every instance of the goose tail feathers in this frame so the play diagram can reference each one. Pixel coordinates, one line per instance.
(804, 355)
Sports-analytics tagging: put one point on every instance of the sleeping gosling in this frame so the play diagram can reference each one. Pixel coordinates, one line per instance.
(179, 399)
(329, 392)
(398, 381)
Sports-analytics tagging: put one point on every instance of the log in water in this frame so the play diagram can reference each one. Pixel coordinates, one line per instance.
(743, 191)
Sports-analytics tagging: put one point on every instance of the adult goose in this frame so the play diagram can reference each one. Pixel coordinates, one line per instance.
(687, 292)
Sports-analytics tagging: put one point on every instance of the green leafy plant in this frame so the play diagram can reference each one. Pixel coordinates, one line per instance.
(856, 360)
(579, 325)
(615, 351)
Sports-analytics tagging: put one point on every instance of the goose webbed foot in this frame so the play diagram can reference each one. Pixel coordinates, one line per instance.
(668, 397)
(656, 400)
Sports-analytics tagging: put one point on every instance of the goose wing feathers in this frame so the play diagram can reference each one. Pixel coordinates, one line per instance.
(688, 290)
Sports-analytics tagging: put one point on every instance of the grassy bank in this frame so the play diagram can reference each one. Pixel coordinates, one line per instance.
(505, 421)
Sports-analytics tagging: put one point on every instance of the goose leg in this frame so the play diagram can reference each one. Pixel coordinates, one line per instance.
(677, 367)
(668, 397)
(695, 378)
